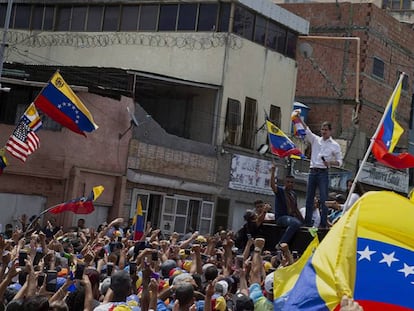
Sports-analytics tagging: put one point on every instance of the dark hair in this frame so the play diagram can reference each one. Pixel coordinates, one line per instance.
(75, 300)
(249, 215)
(211, 273)
(258, 202)
(15, 305)
(184, 294)
(327, 124)
(290, 176)
(36, 303)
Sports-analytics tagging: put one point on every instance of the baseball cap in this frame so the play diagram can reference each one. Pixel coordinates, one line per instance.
(224, 287)
(201, 239)
(269, 282)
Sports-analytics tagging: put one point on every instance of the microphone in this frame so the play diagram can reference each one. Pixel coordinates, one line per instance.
(323, 159)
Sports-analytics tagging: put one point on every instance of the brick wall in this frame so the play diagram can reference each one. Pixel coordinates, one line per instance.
(166, 161)
(326, 81)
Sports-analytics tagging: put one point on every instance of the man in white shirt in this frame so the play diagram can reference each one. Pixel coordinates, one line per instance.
(326, 152)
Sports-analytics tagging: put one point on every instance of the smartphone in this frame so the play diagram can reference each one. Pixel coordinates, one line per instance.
(22, 277)
(37, 258)
(154, 256)
(80, 267)
(22, 258)
(40, 280)
(187, 252)
(109, 268)
(132, 268)
(119, 239)
(51, 280)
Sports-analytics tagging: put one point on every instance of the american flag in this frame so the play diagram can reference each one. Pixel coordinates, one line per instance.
(23, 142)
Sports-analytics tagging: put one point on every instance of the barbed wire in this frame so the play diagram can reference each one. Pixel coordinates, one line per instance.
(85, 40)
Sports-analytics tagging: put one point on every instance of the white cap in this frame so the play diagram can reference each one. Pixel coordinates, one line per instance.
(269, 282)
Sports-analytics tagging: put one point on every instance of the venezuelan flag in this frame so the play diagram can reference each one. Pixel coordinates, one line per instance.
(285, 278)
(60, 103)
(368, 255)
(298, 128)
(138, 223)
(82, 205)
(280, 144)
(388, 136)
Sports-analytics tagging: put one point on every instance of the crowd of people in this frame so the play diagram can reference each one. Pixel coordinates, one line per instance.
(47, 268)
(86, 269)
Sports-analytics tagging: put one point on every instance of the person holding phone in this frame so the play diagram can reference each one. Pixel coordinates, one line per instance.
(325, 153)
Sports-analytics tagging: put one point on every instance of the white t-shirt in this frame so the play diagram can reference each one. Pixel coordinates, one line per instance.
(316, 216)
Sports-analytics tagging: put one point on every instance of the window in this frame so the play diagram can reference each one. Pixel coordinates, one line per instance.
(233, 121)
(222, 214)
(224, 20)
(378, 68)
(78, 18)
(397, 4)
(249, 123)
(180, 213)
(129, 17)
(22, 19)
(292, 39)
(260, 30)
(275, 115)
(207, 17)
(168, 17)
(276, 37)
(94, 22)
(148, 17)
(37, 18)
(110, 20)
(49, 18)
(243, 22)
(187, 17)
(404, 81)
(63, 18)
(3, 9)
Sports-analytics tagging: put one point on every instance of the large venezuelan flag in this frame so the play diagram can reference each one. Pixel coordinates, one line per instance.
(58, 101)
(388, 136)
(280, 144)
(368, 255)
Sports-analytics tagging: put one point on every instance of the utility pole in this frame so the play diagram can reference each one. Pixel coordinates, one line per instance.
(3, 42)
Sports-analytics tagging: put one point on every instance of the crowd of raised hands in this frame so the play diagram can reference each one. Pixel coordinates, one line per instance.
(86, 269)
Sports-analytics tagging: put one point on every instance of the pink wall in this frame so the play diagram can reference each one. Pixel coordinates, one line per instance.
(68, 165)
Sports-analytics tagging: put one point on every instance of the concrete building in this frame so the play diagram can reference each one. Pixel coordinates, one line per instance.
(350, 84)
(197, 76)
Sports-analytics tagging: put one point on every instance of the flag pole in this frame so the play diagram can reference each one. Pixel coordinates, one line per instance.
(364, 160)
